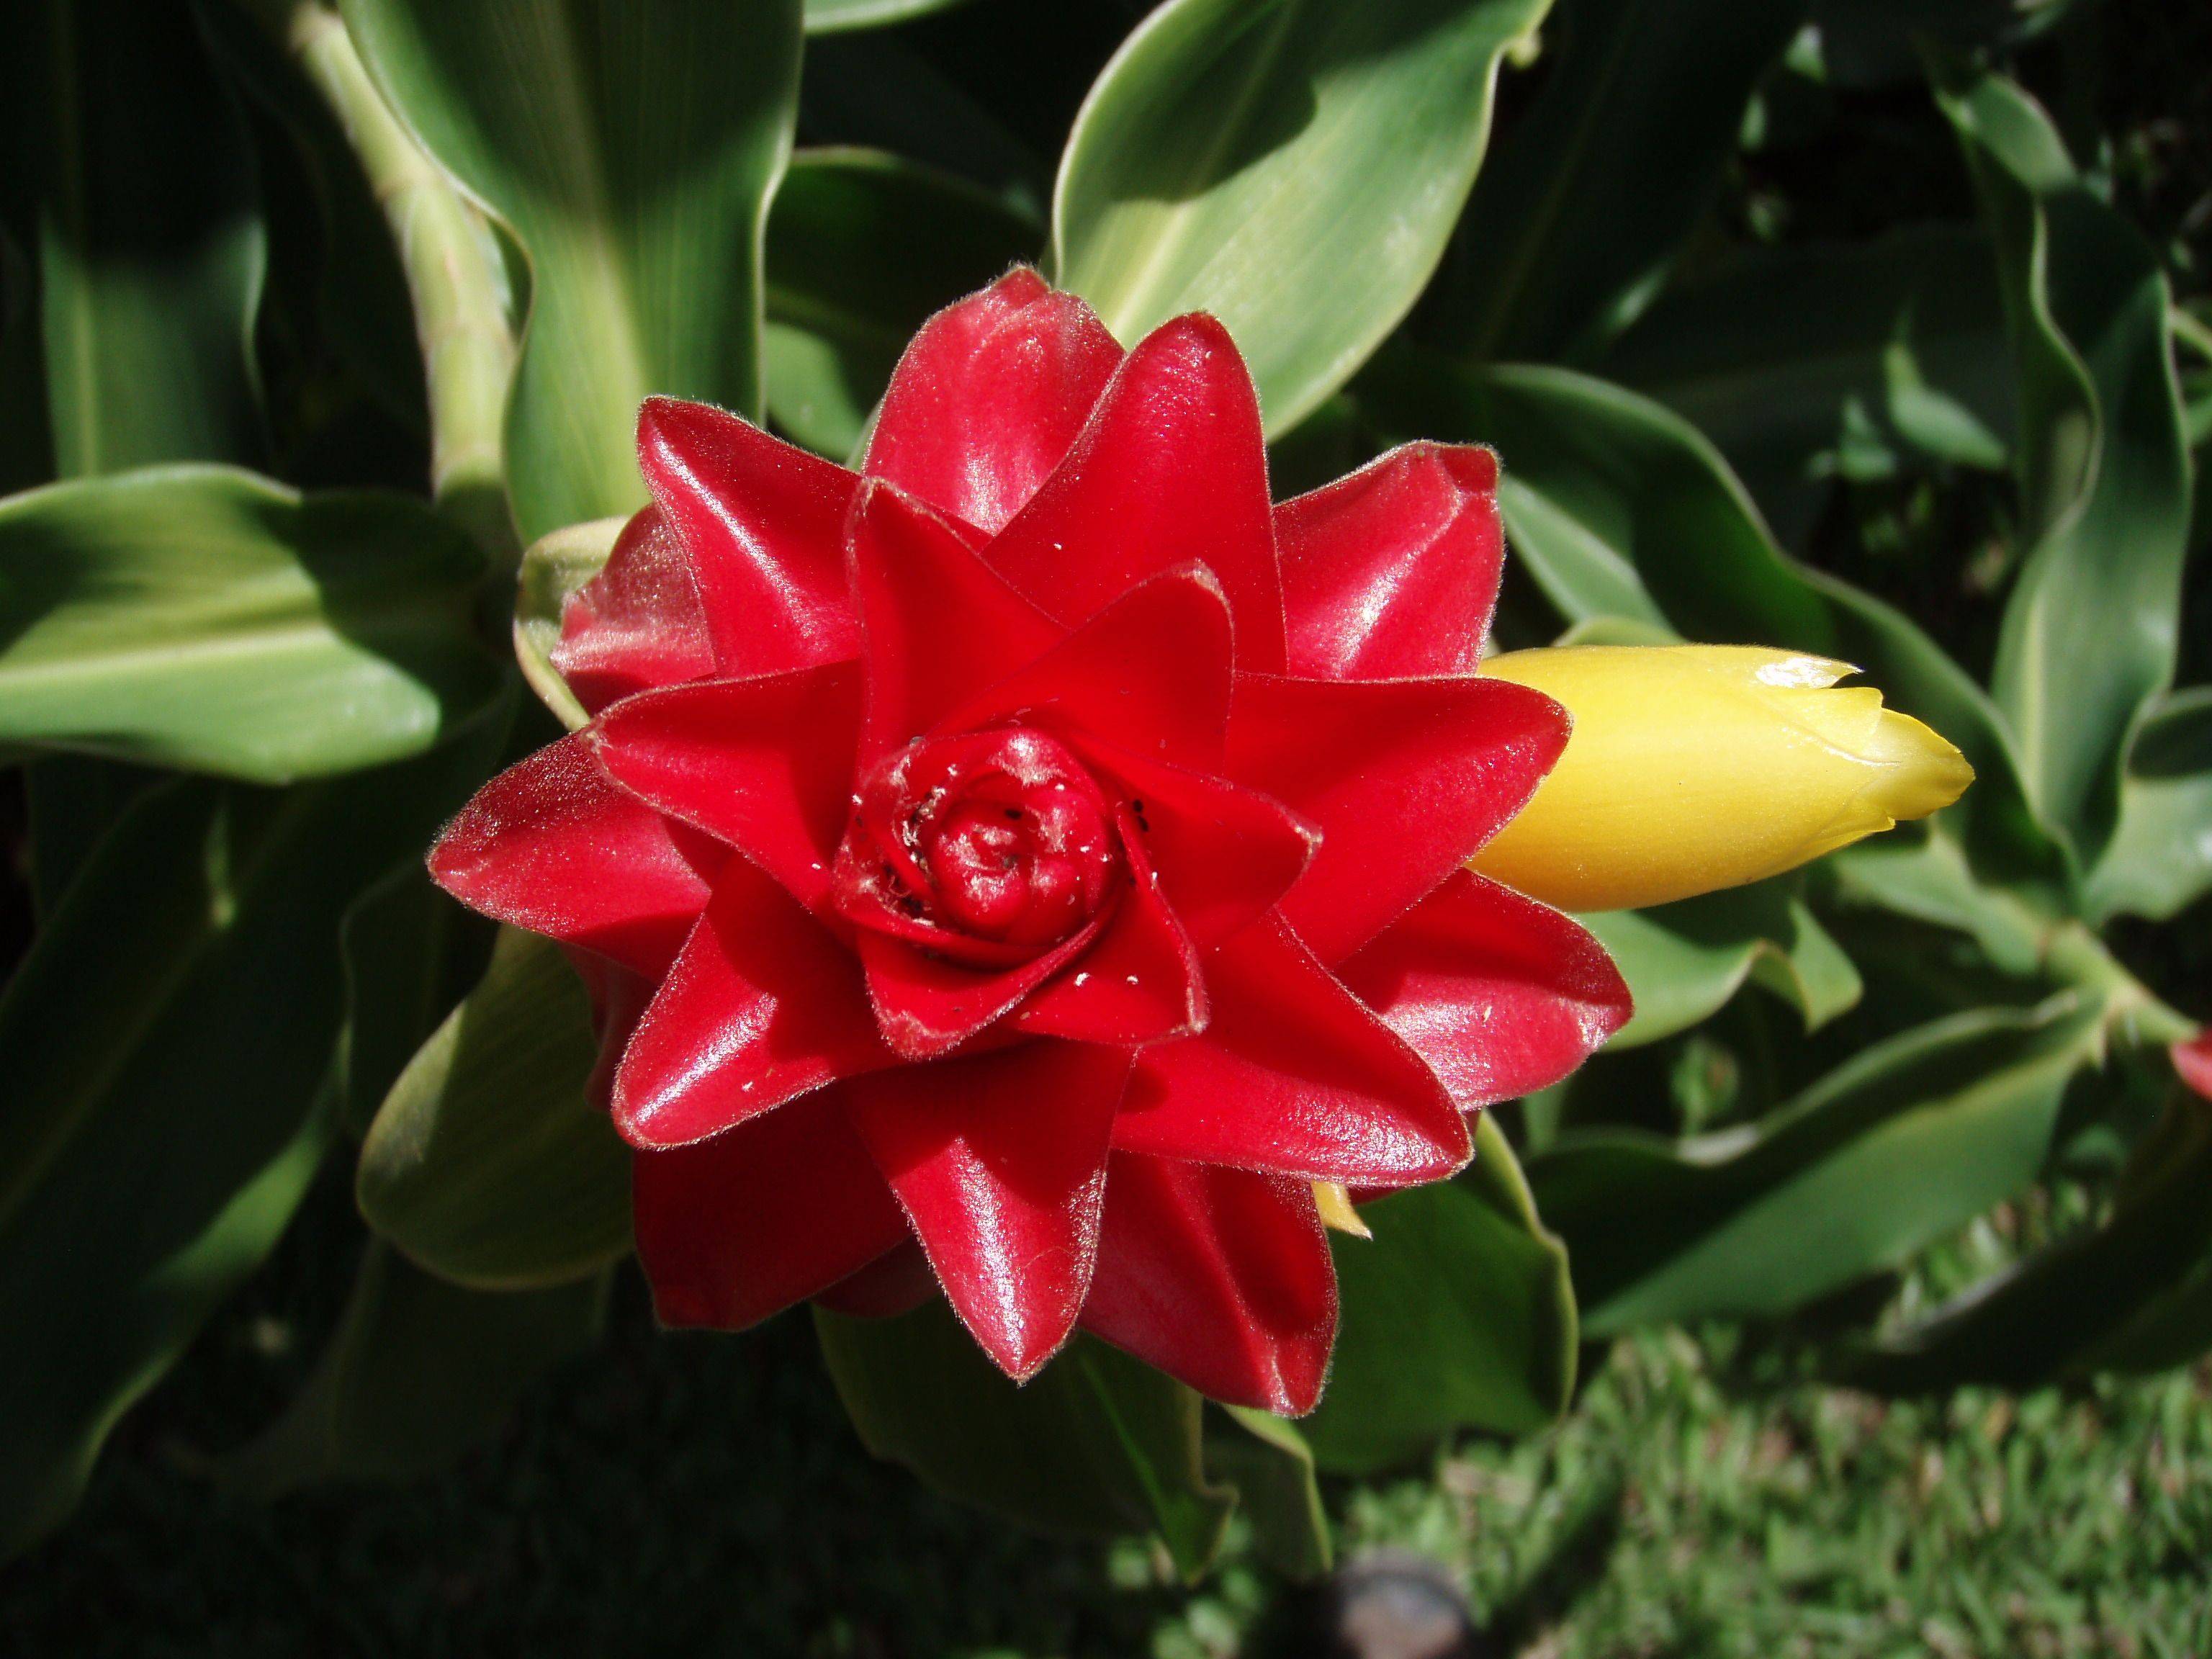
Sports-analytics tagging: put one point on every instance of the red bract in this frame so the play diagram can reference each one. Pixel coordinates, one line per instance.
(1038, 848)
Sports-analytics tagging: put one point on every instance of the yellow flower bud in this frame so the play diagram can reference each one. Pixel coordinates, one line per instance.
(1697, 767)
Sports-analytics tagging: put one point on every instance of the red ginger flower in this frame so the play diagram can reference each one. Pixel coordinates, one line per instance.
(1039, 849)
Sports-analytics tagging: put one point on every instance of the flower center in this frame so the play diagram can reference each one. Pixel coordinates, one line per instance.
(1000, 838)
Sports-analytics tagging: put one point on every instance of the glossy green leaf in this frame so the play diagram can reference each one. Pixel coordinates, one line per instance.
(150, 246)
(204, 617)
(1597, 184)
(419, 1371)
(167, 1043)
(834, 16)
(1294, 167)
(1096, 1442)
(1685, 961)
(1266, 1458)
(632, 146)
(553, 569)
(2160, 860)
(1457, 1314)
(1619, 508)
(2115, 1295)
(412, 952)
(488, 1162)
(1802, 363)
(862, 248)
(2090, 630)
(1909, 1140)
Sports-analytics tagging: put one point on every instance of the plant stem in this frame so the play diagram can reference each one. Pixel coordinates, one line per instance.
(2073, 954)
(455, 277)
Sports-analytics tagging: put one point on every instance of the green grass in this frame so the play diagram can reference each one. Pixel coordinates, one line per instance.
(703, 1496)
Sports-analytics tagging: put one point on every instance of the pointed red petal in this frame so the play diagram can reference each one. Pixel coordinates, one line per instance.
(937, 625)
(551, 846)
(1499, 994)
(1225, 854)
(764, 764)
(1404, 778)
(638, 623)
(988, 396)
(1391, 571)
(927, 1004)
(999, 1160)
(763, 523)
(741, 1226)
(1293, 1074)
(1139, 983)
(762, 1004)
(1170, 471)
(1149, 672)
(1219, 1278)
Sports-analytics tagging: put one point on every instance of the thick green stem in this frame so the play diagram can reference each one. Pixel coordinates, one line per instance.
(454, 275)
(2073, 954)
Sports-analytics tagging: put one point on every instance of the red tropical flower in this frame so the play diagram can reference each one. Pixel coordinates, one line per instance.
(1025, 867)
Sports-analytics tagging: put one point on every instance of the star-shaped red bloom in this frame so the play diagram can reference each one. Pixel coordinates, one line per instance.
(1026, 866)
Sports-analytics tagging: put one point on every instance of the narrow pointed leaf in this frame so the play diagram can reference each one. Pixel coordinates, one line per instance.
(168, 1042)
(2160, 860)
(487, 1163)
(1097, 1443)
(1458, 1314)
(1608, 170)
(150, 246)
(206, 618)
(1266, 1458)
(1294, 167)
(1941, 1124)
(631, 145)
(1685, 961)
(2093, 624)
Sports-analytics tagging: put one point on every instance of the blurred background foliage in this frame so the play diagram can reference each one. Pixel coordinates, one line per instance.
(1871, 1267)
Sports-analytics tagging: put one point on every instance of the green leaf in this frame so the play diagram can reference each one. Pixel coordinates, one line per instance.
(1097, 1443)
(167, 1043)
(1928, 878)
(488, 1162)
(411, 954)
(1458, 1314)
(1685, 961)
(204, 617)
(1787, 358)
(862, 248)
(553, 569)
(1618, 507)
(360, 301)
(834, 16)
(632, 146)
(1266, 1458)
(418, 1372)
(1294, 167)
(2160, 860)
(2090, 631)
(1597, 184)
(1906, 1142)
(150, 246)
(2115, 1295)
